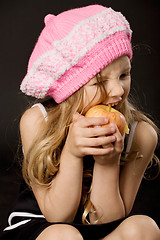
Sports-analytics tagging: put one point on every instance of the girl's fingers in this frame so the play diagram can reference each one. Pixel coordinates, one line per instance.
(99, 131)
(92, 138)
(77, 116)
(119, 142)
(91, 122)
(98, 142)
(97, 151)
(108, 145)
(91, 127)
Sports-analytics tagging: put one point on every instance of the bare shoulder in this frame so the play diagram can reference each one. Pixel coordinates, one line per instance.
(31, 117)
(145, 139)
(145, 132)
(30, 124)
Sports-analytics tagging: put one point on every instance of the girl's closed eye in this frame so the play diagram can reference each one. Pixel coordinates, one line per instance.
(98, 83)
(125, 75)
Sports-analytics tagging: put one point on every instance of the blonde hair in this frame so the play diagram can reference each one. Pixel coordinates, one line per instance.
(41, 164)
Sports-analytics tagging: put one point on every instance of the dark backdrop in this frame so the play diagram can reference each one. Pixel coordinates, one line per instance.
(20, 25)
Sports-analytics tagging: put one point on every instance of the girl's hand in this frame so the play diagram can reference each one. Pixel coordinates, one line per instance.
(113, 157)
(85, 138)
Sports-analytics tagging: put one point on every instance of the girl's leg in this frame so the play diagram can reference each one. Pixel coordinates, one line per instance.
(60, 232)
(137, 227)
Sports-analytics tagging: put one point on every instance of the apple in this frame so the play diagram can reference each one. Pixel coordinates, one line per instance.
(111, 114)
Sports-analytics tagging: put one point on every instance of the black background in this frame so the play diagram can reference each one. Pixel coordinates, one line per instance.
(20, 25)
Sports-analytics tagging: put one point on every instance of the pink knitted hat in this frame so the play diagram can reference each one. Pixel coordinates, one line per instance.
(72, 48)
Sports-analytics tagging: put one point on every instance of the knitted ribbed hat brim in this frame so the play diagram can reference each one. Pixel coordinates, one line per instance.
(60, 67)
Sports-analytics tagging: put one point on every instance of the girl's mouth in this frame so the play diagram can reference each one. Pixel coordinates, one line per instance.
(113, 105)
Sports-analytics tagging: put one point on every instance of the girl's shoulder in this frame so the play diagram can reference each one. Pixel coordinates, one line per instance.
(144, 131)
(33, 115)
(145, 138)
(31, 124)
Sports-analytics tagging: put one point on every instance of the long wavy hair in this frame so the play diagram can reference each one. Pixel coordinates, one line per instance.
(42, 161)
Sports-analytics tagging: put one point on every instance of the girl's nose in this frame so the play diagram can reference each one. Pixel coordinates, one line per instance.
(115, 89)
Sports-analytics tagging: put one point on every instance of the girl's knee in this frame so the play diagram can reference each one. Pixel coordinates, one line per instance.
(140, 227)
(60, 232)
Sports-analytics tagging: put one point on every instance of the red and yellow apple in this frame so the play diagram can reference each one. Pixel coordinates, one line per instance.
(111, 114)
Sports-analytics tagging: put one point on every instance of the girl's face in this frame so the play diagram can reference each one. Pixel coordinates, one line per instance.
(116, 80)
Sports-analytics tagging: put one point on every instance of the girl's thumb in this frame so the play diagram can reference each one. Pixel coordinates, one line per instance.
(77, 116)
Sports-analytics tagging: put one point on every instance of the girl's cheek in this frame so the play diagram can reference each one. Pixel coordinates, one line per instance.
(90, 98)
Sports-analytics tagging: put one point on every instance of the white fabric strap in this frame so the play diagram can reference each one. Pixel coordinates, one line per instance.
(43, 110)
(17, 225)
(21, 214)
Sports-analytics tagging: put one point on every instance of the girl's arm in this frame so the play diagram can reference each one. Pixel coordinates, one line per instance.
(105, 195)
(114, 191)
(144, 142)
(60, 202)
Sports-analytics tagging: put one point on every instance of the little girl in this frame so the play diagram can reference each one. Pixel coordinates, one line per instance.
(82, 179)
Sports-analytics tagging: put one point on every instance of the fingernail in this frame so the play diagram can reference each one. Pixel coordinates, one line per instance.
(106, 120)
(113, 138)
(111, 149)
(112, 130)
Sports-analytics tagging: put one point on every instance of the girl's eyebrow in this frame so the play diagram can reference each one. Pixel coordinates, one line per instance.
(93, 80)
(126, 68)
(123, 70)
